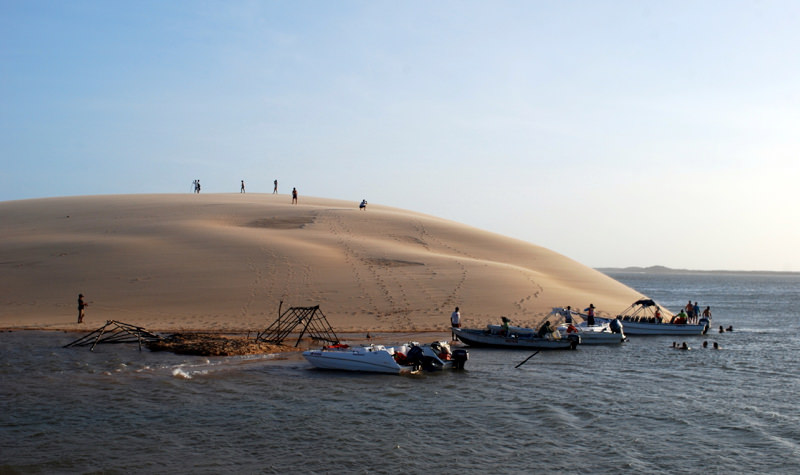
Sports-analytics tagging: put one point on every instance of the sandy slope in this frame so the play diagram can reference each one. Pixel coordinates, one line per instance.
(224, 261)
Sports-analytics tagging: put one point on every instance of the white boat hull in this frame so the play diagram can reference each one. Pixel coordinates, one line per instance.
(377, 359)
(355, 361)
(676, 329)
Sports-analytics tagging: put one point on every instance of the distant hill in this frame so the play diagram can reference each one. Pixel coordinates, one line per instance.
(667, 270)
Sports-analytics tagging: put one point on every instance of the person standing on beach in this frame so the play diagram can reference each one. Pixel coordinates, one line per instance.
(275, 190)
(81, 305)
(455, 322)
(242, 190)
(294, 196)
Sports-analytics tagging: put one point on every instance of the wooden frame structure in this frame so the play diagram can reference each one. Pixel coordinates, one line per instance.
(115, 332)
(310, 319)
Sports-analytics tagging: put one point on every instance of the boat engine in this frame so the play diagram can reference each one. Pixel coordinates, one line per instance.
(460, 357)
(574, 340)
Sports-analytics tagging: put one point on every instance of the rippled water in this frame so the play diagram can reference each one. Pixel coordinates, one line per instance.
(642, 407)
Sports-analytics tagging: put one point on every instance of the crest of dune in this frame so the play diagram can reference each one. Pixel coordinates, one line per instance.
(223, 262)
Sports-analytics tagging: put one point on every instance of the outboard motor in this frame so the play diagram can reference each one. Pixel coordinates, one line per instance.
(574, 340)
(460, 357)
(704, 321)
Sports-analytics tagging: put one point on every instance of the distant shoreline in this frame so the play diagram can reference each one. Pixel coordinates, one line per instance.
(667, 270)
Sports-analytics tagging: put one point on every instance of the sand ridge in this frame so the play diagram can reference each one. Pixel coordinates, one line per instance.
(223, 262)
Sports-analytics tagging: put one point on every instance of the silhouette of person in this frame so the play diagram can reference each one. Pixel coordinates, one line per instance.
(294, 196)
(242, 190)
(363, 205)
(275, 190)
(590, 315)
(455, 322)
(81, 306)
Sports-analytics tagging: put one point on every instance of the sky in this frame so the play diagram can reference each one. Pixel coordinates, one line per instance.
(617, 133)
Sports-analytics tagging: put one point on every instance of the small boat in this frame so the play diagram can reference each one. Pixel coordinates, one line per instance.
(516, 337)
(601, 334)
(408, 358)
(593, 335)
(646, 317)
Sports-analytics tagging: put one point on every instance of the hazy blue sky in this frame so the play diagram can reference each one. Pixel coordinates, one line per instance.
(617, 133)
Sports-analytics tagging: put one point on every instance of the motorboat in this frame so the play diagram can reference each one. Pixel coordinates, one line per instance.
(594, 334)
(646, 317)
(496, 336)
(408, 358)
(598, 334)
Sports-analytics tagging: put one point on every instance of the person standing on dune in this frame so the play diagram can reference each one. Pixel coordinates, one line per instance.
(294, 196)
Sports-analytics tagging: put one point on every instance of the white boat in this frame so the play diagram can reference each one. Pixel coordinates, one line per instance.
(646, 317)
(516, 337)
(409, 358)
(593, 335)
(601, 334)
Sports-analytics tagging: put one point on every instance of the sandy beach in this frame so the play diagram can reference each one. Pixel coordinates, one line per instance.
(224, 262)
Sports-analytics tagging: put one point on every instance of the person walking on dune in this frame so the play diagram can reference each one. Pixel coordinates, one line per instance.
(275, 190)
(81, 306)
(294, 196)
(242, 189)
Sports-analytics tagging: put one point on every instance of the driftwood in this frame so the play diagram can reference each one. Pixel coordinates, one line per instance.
(116, 332)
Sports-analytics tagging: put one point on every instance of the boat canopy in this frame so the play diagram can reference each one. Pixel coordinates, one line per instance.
(645, 308)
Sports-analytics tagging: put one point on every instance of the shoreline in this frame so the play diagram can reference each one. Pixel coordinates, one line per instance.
(355, 337)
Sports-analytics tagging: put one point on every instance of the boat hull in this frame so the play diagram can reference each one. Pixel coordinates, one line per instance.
(380, 359)
(366, 362)
(481, 338)
(676, 329)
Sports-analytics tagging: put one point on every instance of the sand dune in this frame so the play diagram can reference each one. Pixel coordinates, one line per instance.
(223, 262)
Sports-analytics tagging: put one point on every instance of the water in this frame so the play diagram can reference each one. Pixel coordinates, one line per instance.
(642, 407)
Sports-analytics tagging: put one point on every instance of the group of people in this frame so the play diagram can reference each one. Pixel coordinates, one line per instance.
(684, 346)
(693, 314)
(196, 189)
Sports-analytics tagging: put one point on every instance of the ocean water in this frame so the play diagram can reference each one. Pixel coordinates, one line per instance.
(639, 408)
